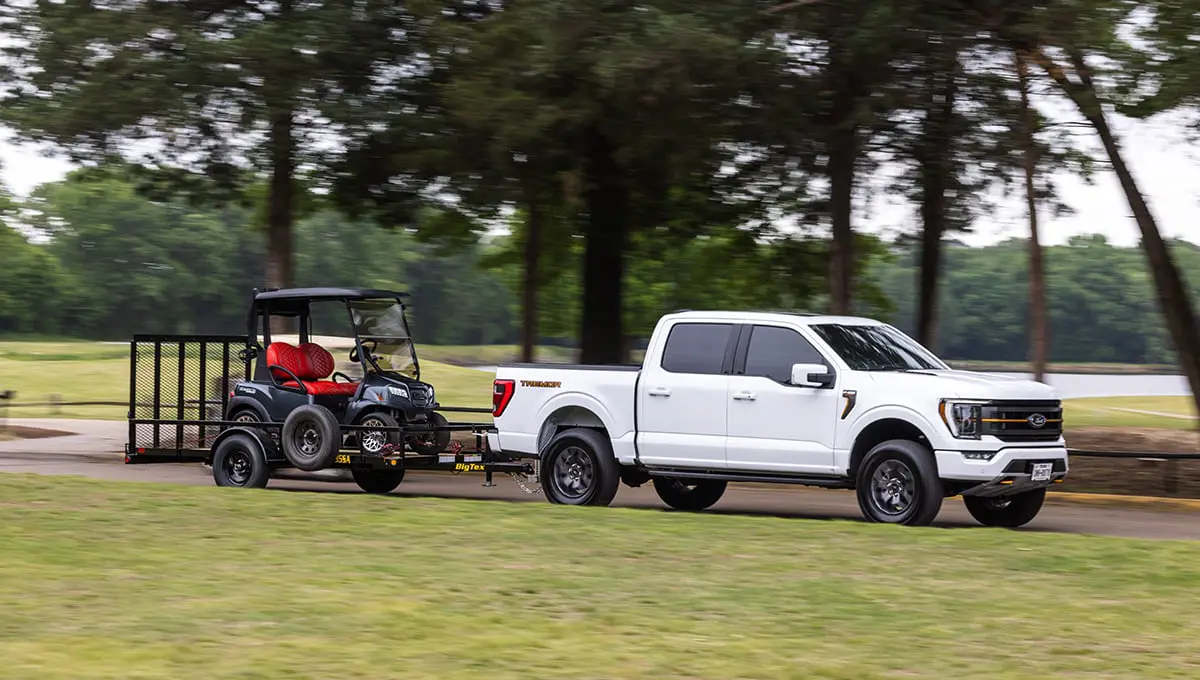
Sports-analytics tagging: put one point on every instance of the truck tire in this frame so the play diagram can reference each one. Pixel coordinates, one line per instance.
(372, 442)
(579, 468)
(378, 481)
(311, 436)
(431, 443)
(689, 494)
(897, 483)
(239, 461)
(1009, 512)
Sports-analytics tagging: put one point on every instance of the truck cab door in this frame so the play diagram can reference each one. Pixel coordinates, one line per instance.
(775, 425)
(682, 397)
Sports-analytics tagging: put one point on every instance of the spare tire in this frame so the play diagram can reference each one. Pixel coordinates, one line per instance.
(311, 437)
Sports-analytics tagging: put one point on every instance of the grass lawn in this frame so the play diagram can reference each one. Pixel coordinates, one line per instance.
(88, 371)
(111, 580)
(1166, 413)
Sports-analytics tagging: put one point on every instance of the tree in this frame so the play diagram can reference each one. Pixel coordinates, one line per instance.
(214, 98)
(1072, 29)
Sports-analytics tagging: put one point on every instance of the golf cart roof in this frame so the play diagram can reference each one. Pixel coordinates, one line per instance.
(325, 294)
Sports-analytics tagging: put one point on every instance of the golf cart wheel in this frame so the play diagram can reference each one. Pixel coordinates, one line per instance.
(689, 494)
(245, 415)
(373, 442)
(579, 468)
(239, 461)
(378, 481)
(311, 436)
(897, 483)
(431, 443)
(1006, 511)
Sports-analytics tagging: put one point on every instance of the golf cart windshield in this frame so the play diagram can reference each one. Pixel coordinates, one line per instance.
(383, 332)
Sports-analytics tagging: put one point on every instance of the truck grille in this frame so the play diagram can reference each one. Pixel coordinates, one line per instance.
(1023, 421)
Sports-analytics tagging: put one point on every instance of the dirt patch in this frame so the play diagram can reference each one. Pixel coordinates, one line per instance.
(23, 432)
(1150, 475)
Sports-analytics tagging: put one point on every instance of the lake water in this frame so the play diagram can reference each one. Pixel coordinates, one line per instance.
(1075, 385)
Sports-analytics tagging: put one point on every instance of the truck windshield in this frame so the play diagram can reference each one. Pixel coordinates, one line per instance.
(877, 348)
(381, 327)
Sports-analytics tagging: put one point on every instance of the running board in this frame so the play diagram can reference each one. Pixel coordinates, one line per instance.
(734, 476)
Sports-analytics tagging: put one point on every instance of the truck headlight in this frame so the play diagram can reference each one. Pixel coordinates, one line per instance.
(398, 391)
(961, 417)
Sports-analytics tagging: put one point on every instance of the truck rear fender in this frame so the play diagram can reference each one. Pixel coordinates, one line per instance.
(879, 425)
(575, 409)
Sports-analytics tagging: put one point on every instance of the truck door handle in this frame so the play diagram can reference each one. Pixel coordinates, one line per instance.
(660, 392)
(744, 396)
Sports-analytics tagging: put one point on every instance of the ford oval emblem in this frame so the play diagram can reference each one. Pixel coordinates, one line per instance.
(1036, 420)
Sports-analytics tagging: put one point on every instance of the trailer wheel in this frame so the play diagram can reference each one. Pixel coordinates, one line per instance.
(432, 443)
(378, 481)
(372, 442)
(311, 436)
(689, 494)
(239, 461)
(898, 483)
(579, 468)
(1009, 511)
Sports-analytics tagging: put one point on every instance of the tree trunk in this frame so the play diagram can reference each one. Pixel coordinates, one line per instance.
(1038, 331)
(843, 154)
(279, 270)
(606, 233)
(936, 168)
(1172, 296)
(529, 287)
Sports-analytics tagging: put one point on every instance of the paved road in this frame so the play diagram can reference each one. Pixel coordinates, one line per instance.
(782, 501)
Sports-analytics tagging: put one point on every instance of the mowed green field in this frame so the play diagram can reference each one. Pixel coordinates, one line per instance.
(134, 580)
(89, 371)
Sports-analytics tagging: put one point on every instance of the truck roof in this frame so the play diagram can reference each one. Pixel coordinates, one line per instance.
(804, 318)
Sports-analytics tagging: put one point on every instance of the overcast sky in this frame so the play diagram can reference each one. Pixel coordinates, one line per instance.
(1164, 163)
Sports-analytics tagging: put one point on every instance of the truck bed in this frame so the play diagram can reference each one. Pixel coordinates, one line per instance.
(577, 367)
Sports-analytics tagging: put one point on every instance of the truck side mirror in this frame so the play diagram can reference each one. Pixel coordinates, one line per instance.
(811, 375)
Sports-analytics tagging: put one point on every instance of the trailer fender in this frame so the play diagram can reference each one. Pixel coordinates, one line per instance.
(272, 452)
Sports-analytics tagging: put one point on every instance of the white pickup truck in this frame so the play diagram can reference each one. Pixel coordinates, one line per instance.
(829, 401)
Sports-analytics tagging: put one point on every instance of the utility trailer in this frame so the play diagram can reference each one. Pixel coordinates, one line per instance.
(222, 401)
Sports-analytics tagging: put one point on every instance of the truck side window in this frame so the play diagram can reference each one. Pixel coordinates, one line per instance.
(696, 348)
(773, 350)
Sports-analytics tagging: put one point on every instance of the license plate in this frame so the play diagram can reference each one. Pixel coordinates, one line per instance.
(1041, 471)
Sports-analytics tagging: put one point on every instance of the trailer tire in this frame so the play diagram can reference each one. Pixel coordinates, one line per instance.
(239, 461)
(893, 470)
(1009, 512)
(380, 482)
(432, 443)
(311, 436)
(690, 495)
(579, 468)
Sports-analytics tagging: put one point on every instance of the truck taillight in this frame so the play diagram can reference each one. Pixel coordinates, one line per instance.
(502, 393)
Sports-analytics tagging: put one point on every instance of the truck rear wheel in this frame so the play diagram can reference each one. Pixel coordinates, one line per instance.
(689, 494)
(239, 461)
(579, 468)
(897, 483)
(311, 436)
(1006, 511)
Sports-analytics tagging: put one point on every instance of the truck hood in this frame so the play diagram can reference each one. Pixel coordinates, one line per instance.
(963, 384)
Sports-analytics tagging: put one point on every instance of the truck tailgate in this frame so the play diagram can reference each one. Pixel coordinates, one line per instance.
(531, 398)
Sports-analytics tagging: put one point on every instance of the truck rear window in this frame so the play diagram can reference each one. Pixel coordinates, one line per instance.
(696, 348)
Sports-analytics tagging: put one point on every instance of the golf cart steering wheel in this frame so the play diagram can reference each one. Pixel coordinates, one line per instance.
(370, 350)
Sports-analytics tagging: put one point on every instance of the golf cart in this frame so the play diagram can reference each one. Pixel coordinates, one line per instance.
(387, 392)
(251, 408)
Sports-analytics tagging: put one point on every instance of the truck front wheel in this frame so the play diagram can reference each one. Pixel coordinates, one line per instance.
(689, 494)
(897, 483)
(579, 468)
(1007, 511)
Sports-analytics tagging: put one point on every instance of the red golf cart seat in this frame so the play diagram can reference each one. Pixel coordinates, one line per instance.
(311, 363)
